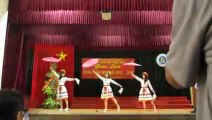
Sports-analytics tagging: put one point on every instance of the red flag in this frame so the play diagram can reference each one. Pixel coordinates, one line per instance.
(40, 68)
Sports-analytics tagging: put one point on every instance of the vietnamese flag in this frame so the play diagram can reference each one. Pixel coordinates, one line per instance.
(40, 69)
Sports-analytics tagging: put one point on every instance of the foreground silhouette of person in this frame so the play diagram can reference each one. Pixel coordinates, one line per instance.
(189, 59)
(11, 105)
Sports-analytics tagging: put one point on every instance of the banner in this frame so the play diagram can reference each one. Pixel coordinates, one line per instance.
(113, 65)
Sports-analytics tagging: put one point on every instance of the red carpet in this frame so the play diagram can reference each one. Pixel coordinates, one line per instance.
(132, 102)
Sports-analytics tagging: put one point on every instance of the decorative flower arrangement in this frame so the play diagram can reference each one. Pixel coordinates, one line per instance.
(50, 90)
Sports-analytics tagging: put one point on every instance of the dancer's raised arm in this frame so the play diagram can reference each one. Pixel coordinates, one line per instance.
(98, 75)
(136, 77)
(54, 72)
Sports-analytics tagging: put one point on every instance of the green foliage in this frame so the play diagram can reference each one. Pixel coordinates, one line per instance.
(49, 74)
(50, 103)
(50, 90)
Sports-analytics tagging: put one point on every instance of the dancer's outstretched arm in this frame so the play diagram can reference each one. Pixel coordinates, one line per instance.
(69, 79)
(98, 75)
(73, 79)
(136, 77)
(115, 83)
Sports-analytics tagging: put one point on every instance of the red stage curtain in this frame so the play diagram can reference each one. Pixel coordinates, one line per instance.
(40, 68)
(99, 30)
(103, 41)
(88, 17)
(114, 5)
(13, 75)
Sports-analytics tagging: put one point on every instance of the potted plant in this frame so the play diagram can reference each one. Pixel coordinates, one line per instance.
(50, 91)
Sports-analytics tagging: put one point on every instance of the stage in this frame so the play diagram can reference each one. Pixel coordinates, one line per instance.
(112, 114)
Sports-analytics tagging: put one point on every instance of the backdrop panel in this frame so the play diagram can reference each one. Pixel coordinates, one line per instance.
(40, 68)
(147, 59)
(115, 66)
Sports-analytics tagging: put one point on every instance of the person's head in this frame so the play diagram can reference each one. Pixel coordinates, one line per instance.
(145, 75)
(107, 75)
(62, 73)
(11, 105)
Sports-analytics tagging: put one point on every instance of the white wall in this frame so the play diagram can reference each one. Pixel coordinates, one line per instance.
(3, 26)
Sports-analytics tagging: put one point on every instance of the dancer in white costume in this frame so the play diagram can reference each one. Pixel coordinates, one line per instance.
(62, 93)
(107, 92)
(144, 94)
(195, 109)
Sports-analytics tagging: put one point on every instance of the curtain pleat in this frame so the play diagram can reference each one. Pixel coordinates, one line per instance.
(115, 5)
(86, 17)
(100, 30)
(134, 23)
(101, 41)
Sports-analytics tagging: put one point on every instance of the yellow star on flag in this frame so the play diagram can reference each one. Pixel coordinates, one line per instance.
(62, 55)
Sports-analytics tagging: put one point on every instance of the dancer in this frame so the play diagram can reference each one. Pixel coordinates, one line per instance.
(195, 109)
(107, 92)
(144, 94)
(62, 91)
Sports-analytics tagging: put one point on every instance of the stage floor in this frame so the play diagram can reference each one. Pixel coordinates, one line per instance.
(112, 114)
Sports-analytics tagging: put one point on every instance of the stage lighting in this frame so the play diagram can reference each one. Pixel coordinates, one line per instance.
(106, 15)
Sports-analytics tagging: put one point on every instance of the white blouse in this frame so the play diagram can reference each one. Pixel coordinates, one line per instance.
(62, 80)
(107, 81)
(144, 84)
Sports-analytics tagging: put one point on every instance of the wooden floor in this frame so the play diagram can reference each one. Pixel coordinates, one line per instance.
(123, 114)
(162, 102)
